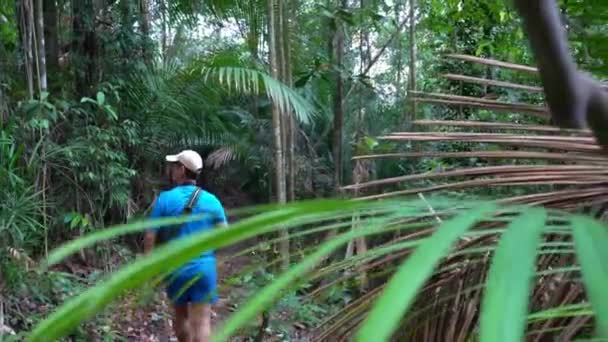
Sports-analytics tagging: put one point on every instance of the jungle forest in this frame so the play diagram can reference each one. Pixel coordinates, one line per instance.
(390, 170)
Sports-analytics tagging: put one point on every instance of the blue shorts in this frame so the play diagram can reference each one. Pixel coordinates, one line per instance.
(194, 284)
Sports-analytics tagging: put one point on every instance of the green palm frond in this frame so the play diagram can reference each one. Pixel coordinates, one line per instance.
(250, 81)
(444, 265)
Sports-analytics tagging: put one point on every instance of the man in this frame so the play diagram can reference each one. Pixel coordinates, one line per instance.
(192, 287)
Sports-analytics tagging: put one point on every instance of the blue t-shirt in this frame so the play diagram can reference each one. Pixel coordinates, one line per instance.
(173, 202)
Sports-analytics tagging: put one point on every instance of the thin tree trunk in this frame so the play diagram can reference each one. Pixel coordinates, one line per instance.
(84, 44)
(50, 35)
(360, 168)
(412, 76)
(26, 27)
(145, 31)
(274, 47)
(338, 60)
(399, 53)
(42, 77)
(288, 8)
(163, 39)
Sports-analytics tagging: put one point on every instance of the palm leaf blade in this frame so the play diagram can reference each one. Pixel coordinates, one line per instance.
(399, 293)
(591, 239)
(503, 315)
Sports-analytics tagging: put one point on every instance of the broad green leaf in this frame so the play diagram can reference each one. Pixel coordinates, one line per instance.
(591, 243)
(401, 290)
(505, 303)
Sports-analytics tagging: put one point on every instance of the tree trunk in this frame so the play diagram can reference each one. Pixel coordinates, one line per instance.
(145, 31)
(273, 34)
(164, 34)
(84, 45)
(26, 25)
(360, 168)
(412, 71)
(50, 35)
(288, 8)
(338, 61)
(41, 51)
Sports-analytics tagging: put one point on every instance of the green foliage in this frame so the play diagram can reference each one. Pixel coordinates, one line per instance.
(506, 300)
(401, 290)
(589, 238)
(523, 223)
(86, 153)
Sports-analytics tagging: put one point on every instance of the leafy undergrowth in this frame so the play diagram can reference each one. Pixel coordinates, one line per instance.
(145, 315)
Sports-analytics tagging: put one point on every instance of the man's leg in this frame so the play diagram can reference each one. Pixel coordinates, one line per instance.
(180, 323)
(200, 322)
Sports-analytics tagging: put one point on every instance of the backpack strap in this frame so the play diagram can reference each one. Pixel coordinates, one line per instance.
(193, 200)
(168, 233)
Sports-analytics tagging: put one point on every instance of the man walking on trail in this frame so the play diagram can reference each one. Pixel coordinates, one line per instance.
(192, 287)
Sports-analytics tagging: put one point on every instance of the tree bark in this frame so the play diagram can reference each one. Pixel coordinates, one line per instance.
(412, 71)
(338, 107)
(50, 35)
(145, 31)
(40, 47)
(84, 45)
(273, 34)
(26, 25)
(288, 8)
(399, 53)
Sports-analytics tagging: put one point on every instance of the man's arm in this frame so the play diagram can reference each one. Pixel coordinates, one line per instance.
(150, 234)
(574, 99)
(149, 241)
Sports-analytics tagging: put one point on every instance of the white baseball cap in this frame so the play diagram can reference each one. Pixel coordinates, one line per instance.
(190, 159)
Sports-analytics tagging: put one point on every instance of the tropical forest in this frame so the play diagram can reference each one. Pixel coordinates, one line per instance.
(385, 170)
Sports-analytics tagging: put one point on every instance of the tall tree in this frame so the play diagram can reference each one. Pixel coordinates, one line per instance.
(40, 48)
(288, 8)
(84, 44)
(275, 47)
(50, 34)
(412, 71)
(144, 12)
(26, 28)
(338, 97)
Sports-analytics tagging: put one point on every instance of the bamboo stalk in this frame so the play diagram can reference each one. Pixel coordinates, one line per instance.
(484, 81)
(493, 62)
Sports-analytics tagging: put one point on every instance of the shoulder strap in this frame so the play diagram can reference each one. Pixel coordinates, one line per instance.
(193, 200)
